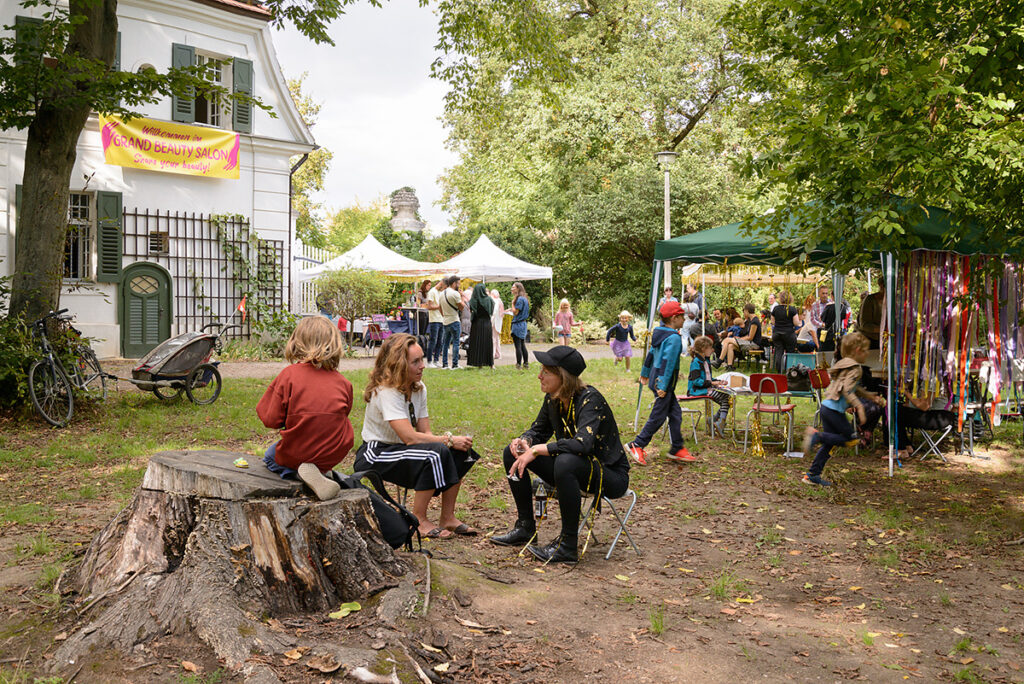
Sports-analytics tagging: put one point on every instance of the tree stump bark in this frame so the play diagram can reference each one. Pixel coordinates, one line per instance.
(210, 549)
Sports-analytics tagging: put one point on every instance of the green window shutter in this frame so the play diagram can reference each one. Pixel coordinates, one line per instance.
(26, 31)
(183, 109)
(117, 54)
(17, 221)
(109, 244)
(241, 112)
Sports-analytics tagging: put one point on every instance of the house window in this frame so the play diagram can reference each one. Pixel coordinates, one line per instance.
(214, 108)
(79, 244)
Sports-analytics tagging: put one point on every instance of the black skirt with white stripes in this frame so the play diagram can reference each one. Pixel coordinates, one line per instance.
(416, 466)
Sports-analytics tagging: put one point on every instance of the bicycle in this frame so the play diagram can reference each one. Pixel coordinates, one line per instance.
(51, 386)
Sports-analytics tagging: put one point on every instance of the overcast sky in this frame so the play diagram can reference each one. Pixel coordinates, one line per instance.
(380, 106)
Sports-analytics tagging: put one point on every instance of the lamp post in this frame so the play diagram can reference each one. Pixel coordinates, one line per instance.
(665, 159)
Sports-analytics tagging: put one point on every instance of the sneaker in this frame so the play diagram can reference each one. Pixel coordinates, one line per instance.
(808, 444)
(638, 453)
(324, 487)
(681, 455)
(719, 427)
(816, 479)
(716, 362)
(730, 368)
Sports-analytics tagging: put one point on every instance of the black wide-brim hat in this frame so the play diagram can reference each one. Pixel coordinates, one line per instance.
(563, 356)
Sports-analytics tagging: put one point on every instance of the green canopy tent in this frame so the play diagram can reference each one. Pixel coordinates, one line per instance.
(728, 245)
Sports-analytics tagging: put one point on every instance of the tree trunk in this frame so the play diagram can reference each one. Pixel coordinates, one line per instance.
(49, 160)
(207, 549)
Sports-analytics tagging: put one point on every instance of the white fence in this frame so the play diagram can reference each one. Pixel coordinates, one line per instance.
(304, 293)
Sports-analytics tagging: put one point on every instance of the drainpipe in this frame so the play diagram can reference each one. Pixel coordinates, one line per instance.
(291, 238)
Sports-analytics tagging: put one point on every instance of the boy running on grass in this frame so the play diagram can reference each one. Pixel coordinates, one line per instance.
(662, 367)
(843, 391)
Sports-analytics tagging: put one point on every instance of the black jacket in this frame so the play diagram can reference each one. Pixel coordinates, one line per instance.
(592, 425)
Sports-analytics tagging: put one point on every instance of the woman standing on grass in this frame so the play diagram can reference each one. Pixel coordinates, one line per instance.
(398, 443)
(520, 314)
(481, 340)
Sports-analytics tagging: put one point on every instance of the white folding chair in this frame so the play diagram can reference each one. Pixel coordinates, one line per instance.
(621, 519)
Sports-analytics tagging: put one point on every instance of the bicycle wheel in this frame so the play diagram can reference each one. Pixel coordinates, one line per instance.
(51, 392)
(203, 384)
(94, 380)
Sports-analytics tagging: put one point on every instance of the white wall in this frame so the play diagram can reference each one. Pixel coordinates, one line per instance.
(148, 29)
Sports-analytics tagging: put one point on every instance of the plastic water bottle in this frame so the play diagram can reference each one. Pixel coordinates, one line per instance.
(540, 501)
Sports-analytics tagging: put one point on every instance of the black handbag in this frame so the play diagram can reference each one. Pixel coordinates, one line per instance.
(397, 524)
(798, 378)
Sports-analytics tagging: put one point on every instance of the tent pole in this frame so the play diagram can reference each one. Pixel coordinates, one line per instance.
(655, 277)
(703, 301)
(889, 275)
(551, 298)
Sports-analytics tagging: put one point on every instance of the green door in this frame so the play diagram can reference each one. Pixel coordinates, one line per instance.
(145, 309)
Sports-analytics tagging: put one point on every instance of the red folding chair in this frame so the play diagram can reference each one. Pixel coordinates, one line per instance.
(768, 389)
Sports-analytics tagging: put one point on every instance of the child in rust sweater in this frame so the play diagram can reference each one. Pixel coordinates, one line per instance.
(309, 402)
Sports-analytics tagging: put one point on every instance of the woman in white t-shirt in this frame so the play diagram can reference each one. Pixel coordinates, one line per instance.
(398, 443)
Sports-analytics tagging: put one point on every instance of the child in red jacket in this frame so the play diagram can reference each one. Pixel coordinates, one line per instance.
(309, 402)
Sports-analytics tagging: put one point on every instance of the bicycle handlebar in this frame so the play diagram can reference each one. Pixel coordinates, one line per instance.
(228, 327)
(50, 315)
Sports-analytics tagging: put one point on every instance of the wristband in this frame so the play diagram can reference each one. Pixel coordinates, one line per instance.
(449, 440)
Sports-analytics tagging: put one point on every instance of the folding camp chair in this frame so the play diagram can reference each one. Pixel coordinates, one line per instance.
(373, 335)
(770, 385)
(620, 519)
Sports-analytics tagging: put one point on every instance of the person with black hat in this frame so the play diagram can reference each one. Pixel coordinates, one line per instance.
(584, 454)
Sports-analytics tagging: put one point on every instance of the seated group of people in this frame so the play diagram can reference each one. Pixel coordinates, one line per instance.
(573, 443)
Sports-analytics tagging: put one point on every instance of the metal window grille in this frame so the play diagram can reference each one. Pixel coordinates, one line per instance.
(78, 244)
(202, 274)
(159, 242)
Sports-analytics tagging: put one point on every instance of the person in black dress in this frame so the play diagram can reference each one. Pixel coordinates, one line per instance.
(481, 342)
(785, 321)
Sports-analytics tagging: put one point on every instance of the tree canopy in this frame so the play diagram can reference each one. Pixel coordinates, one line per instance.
(556, 109)
(861, 106)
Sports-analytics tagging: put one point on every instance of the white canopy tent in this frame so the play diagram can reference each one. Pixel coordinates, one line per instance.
(371, 255)
(487, 262)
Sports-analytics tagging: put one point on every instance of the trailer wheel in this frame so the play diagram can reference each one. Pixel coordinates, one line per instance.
(168, 393)
(203, 384)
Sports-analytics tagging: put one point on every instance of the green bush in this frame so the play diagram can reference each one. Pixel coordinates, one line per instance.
(17, 353)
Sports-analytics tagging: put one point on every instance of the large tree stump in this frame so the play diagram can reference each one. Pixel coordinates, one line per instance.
(209, 549)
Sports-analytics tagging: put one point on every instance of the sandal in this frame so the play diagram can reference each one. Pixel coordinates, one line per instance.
(463, 530)
(438, 533)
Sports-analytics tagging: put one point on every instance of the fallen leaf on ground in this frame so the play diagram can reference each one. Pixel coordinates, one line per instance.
(957, 630)
(428, 647)
(189, 666)
(295, 653)
(344, 609)
(443, 667)
(622, 578)
(325, 663)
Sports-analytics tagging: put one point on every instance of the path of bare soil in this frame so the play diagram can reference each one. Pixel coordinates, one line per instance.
(746, 575)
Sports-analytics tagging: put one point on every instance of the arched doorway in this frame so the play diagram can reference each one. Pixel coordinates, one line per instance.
(145, 309)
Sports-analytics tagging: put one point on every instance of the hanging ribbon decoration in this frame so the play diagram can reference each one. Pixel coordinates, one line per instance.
(964, 342)
(757, 447)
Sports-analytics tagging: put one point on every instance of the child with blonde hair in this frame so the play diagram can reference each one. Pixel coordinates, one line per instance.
(844, 391)
(309, 402)
(618, 338)
(564, 322)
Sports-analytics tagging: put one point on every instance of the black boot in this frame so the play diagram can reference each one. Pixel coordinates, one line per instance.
(562, 550)
(520, 533)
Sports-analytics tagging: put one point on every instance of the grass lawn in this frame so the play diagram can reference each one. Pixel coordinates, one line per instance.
(729, 538)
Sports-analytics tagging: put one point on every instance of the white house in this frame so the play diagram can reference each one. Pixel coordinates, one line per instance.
(153, 253)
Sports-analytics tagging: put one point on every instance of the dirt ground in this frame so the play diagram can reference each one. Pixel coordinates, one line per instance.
(745, 574)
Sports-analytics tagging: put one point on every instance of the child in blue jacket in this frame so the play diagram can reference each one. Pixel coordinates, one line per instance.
(660, 373)
(701, 384)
